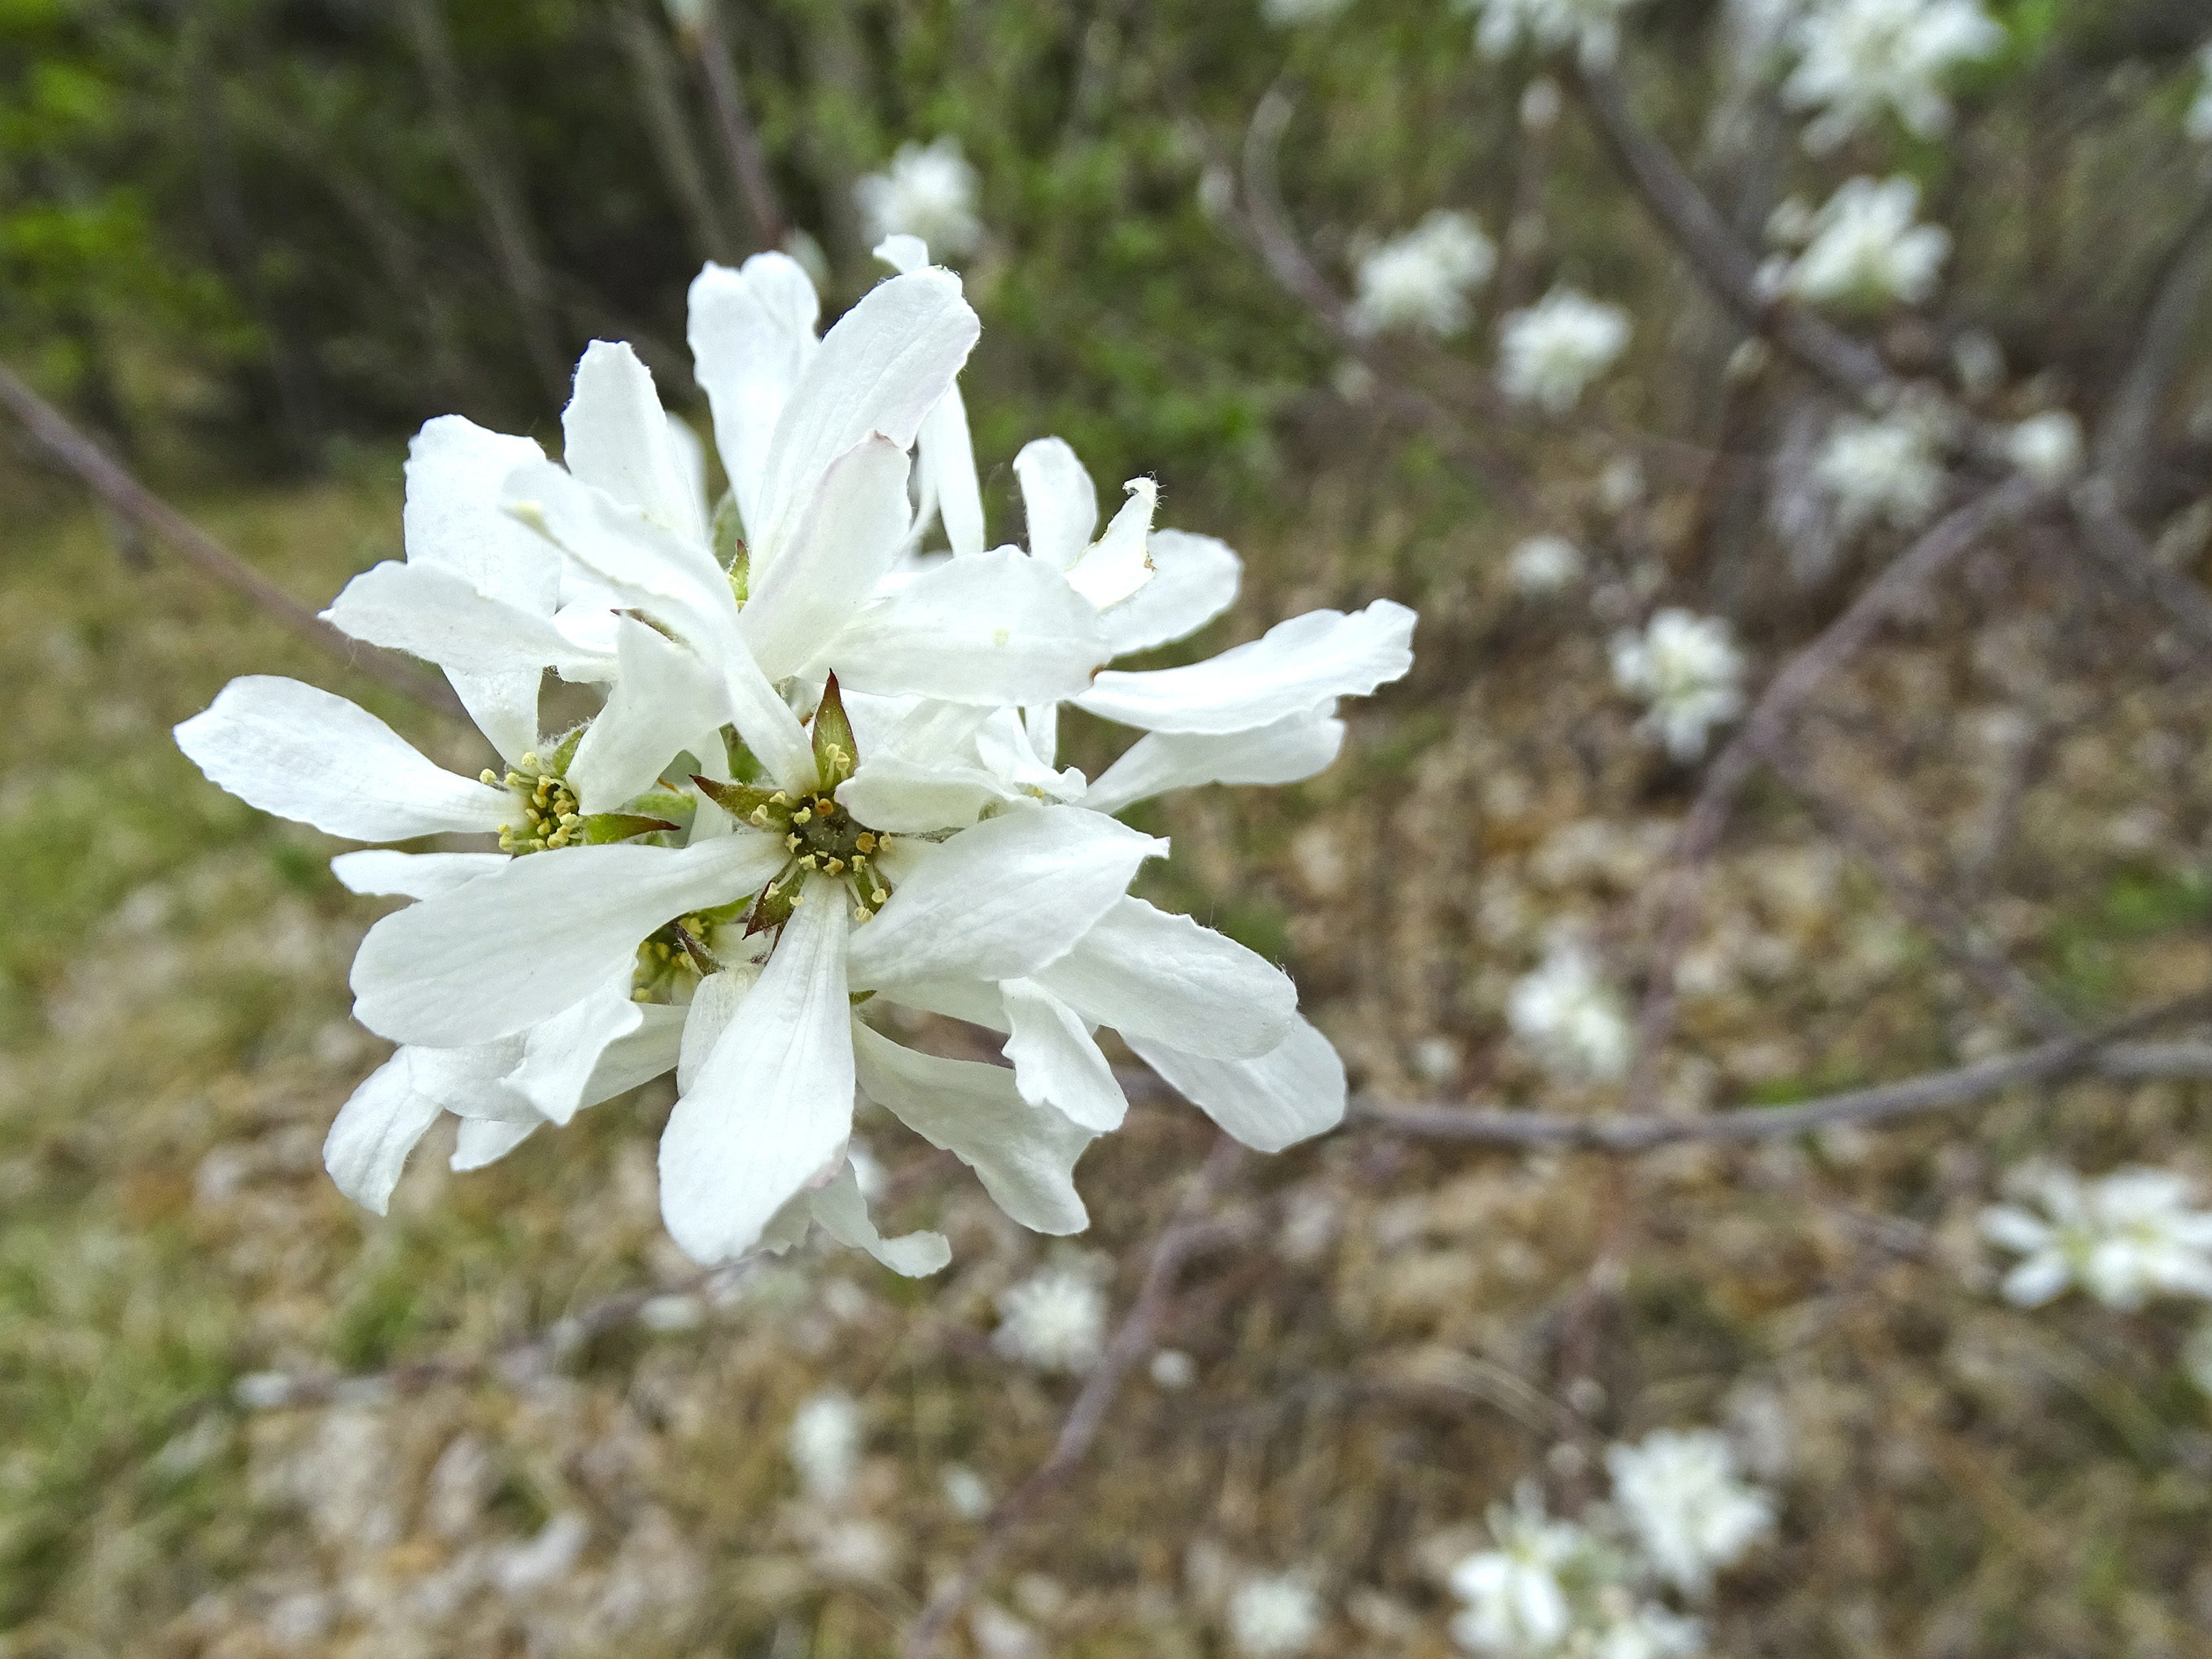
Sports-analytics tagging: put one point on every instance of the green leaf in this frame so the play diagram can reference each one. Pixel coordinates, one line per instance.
(836, 753)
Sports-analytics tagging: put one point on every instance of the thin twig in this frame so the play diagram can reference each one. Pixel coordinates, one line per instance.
(1187, 1236)
(703, 33)
(1763, 731)
(124, 494)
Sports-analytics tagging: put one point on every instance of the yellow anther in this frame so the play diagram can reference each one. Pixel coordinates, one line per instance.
(489, 775)
(781, 799)
(879, 895)
(760, 816)
(822, 809)
(530, 761)
(791, 843)
(834, 866)
(866, 840)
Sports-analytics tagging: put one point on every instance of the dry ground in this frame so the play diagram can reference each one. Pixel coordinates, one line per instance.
(1958, 1477)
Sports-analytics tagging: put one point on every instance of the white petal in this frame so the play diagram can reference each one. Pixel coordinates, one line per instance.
(522, 944)
(300, 753)
(1298, 665)
(997, 628)
(1194, 580)
(751, 334)
(882, 369)
(708, 1014)
(1269, 1104)
(945, 457)
(438, 615)
(663, 700)
(1059, 499)
(410, 875)
(768, 1114)
(903, 796)
(615, 437)
(690, 458)
(472, 1082)
(902, 252)
(977, 1001)
(1004, 745)
(374, 1131)
(453, 519)
(1056, 1063)
(1147, 973)
(2036, 1280)
(561, 1056)
(1295, 747)
(642, 1055)
(1001, 900)
(1025, 1155)
(840, 548)
(844, 1213)
(1116, 568)
(484, 1140)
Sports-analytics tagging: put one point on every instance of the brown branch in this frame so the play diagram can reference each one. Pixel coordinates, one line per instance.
(703, 32)
(1937, 1092)
(2120, 549)
(124, 494)
(1767, 727)
(1187, 1236)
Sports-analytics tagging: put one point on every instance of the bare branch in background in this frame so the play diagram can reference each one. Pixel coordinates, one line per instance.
(1764, 730)
(2123, 444)
(701, 23)
(148, 511)
(2119, 548)
(660, 82)
(506, 213)
(1190, 1234)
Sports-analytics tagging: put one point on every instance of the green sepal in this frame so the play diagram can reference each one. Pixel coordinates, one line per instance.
(742, 801)
(777, 900)
(744, 765)
(602, 828)
(565, 750)
(730, 543)
(836, 753)
(856, 998)
(663, 804)
(702, 958)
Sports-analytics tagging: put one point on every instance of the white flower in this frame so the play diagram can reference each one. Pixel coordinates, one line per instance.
(1173, 1369)
(1566, 1012)
(1859, 58)
(966, 1492)
(2122, 1238)
(1626, 1628)
(1591, 27)
(1549, 352)
(2198, 122)
(2047, 448)
(1882, 471)
(1055, 1318)
(824, 1444)
(1516, 1595)
(1288, 13)
(1688, 670)
(1273, 1617)
(1543, 564)
(1865, 250)
(1419, 280)
(929, 191)
(1688, 1511)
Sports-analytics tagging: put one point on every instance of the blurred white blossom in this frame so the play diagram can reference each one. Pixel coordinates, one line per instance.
(824, 1444)
(1591, 27)
(1419, 280)
(1859, 58)
(1517, 1593)
(1685, 1506)
(1274, 1616)
(966, 1492)
(929, 191)
(2122, 1238)
(1543, 564)
(1866, 251)
(1570, 1017)
(2047, 448)
(1055, 1318)
(1687, 669)
(1550, 351)
(1173, 1369)
(1883, 470)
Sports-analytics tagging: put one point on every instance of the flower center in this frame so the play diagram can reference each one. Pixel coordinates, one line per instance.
(552, 815)
(824, 837)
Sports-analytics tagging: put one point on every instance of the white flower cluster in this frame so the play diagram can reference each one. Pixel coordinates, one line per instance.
(1420, 280)
(1543, 564)
(1274, 1616)
(1879, 470)
(1864, 251)
(1688, 670)
(2047, 448)
(1552, 1588)
(824, 1444)
(929, 191)
(823, 779)
(1859, 58)
(1055, 1318)
(2122, 1238)
(1549, 352)
(1574, 1020)
(1591, 27)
